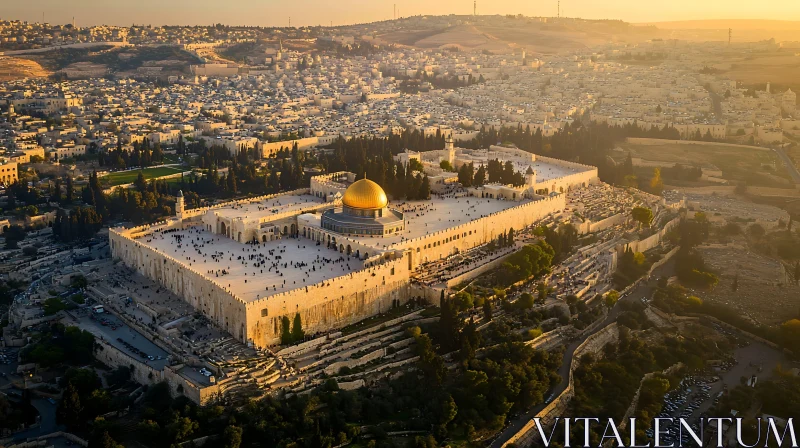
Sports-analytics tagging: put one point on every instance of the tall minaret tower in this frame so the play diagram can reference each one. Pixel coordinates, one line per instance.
(530, 177)
(449, 146)
(474, 7)
(179, 206)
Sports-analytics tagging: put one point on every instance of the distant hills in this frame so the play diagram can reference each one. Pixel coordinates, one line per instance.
(508, 33)
(717, 24)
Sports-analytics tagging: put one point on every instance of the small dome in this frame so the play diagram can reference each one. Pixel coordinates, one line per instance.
(365, 194)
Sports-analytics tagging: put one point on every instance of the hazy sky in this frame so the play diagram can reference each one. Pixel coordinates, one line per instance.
(316, 12)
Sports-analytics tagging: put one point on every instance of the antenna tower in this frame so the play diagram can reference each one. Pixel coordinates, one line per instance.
(475, 7)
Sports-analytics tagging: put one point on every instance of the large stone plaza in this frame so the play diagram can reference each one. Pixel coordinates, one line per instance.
(249, 263)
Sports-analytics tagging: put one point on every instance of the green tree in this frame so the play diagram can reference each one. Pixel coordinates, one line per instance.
(70, 408)
(480, 177)
(525, 301)
(656, 183)
(286, 330)
(425, 189)
(445, 165)
(611, 298)
(232, 437)
(642, 215)
(297, 329)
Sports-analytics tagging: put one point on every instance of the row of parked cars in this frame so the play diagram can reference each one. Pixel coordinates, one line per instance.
(135, 350)
(683, 403)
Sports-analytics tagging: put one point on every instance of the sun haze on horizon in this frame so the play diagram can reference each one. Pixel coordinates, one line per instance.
(343, 12)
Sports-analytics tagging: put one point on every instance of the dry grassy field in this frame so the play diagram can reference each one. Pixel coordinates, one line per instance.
(15, 68)
(738, 164)
(780, 68)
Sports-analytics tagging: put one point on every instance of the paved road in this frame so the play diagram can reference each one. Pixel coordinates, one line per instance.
(789, 165)
(716, 100)
(48, 425)
(645, 289)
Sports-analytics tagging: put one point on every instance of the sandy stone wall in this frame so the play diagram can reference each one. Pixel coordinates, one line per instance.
(332, 304)
(203, 293)
(480, 231)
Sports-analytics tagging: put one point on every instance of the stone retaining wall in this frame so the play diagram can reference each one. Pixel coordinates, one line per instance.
(528, 435)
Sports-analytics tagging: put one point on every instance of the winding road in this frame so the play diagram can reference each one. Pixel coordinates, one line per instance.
(645, 289)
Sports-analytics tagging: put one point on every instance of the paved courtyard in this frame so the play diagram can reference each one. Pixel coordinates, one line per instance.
(253, 271)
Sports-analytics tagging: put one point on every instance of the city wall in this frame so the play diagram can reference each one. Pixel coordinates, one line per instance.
(656, 141)
(528, 435)
(271, 148)
(481, 269)
(332, 304)
(145, 374)
(651, 241)
(446, 242)
(203, 293)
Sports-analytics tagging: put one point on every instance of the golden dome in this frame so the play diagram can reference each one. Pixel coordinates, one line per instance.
(365, 194)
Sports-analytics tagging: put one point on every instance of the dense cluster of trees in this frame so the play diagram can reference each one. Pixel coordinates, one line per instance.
(470, 402)
(605, 387)
(681, 172)
(692, 270)
(562, 239)
(690, 266)
(15, 415)
(59, 344)
(630, 267)
(469, 177)
(143, 154)
(533, 260)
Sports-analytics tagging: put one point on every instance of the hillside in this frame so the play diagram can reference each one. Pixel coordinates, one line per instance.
(16, 68)
(505, 33)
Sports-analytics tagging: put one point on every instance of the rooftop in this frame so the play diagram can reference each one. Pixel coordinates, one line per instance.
(269, 207)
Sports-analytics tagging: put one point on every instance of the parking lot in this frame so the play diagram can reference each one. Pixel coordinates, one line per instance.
(698, 394)
(117, 333)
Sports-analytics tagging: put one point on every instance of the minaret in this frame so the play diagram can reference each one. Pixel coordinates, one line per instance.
(179, 206)
(449, 146)
(530, 177)
(474, 7)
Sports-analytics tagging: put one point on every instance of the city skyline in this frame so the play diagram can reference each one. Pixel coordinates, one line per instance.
(316, 12)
